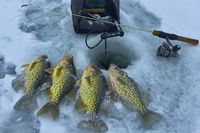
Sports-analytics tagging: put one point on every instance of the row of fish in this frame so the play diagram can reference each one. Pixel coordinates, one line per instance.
(90, 96)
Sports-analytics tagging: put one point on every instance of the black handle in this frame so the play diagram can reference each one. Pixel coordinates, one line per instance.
(165, 35)
(109, 35)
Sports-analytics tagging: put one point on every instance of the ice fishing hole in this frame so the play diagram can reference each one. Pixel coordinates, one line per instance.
(117, 53)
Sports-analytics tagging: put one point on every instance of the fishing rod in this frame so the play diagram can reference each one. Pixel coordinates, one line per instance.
(160, 34)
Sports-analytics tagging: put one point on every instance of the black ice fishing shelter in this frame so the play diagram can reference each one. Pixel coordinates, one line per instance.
(107, 10)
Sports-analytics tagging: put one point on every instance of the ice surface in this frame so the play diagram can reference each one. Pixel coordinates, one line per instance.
(21, 122)
(6, 68)
(117, 111)
(173, 83)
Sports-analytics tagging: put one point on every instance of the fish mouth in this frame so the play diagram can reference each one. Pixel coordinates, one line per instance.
(68, 57)
(44, 56)
(91, 65)
(111, 68)
(66, 61)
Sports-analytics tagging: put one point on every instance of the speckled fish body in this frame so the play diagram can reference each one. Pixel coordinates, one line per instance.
(92, 91)
(128, 91)
(64, 79)
(93, 87)
(34, 77)
(125, 87)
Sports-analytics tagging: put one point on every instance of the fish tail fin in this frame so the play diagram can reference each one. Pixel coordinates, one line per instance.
(150, 118)
(54, 110)
(26, 102)
(96, 125)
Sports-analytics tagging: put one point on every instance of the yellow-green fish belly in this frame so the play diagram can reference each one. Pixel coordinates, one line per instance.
(61, 86)
(129, 93)
(91, 93)
(34, 77)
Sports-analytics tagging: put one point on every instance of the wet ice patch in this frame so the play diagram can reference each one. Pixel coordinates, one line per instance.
(29, 27)
(6, 38)
(45, 24)
(51, 29)
(117, 111)
(2, 73)
(21, 121)
(6, 68)
(46, 35)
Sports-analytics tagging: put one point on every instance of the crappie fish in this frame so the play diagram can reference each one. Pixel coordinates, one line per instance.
(34, 77)
(90, 95)
(64, 79)
(128, 92)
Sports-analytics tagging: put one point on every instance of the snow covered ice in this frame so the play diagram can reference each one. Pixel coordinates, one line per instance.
(5, 67)
(173, 84)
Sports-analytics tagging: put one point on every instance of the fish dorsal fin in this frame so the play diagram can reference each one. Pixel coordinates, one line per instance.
(25, 65)
(78, 83)
(58, 72)
(48, 92)
(144, 95)
(79, 105)
(50, 70)
(136, 84)
(72, 93)
(110, 86)
(88, 79)
(32, 65)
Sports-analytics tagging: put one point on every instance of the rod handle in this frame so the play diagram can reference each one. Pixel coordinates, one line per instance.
(164, 35)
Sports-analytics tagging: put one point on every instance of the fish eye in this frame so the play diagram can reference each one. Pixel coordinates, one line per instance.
(93, 66)
(44, 56)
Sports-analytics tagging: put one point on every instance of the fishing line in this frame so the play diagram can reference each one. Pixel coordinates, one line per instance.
(160, 34)
(76, 15)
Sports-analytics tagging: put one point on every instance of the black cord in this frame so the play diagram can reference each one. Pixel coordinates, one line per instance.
(86, 42)
(87, 39)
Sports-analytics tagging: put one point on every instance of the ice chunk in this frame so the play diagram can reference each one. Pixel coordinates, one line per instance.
(2, 71)
(117, 111)
(10, 68)
(6, 68)
(26, 27)
(19, 119)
